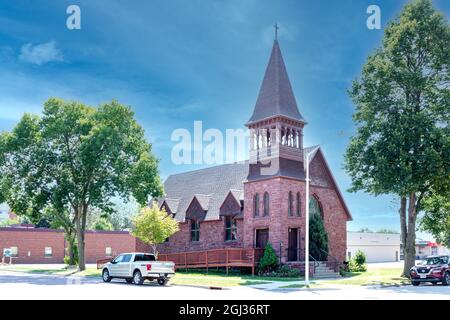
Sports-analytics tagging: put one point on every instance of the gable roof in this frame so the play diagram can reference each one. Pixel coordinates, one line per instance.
(203, 200)
(210, 186)
(172, 204)
(276, 97)
(315, 151)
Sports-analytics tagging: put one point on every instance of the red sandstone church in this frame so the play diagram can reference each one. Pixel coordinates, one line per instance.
(262, 200)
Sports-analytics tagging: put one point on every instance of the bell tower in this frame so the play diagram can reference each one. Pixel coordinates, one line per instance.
(276, 125)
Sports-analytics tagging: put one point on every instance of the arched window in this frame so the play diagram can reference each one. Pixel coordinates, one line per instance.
(290, 204)
(314, 206)
(299, 205)
(256, 205)
(266, 204)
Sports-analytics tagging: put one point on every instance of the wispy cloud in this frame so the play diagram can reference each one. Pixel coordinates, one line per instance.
(40, 53)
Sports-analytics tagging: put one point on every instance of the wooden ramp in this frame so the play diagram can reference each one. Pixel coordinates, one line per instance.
(229, 257)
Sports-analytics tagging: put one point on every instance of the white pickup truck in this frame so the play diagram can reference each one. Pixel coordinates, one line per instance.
(138, 267)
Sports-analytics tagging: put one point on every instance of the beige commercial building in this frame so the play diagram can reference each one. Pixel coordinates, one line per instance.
(378, 247)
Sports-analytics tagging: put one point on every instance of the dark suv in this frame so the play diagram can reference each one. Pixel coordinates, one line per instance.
(433, 269)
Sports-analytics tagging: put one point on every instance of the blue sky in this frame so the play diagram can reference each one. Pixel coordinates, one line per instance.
(175, 62)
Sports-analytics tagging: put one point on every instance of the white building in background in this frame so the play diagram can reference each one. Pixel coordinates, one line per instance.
(427, 248)
(378, 247)
(4, 212)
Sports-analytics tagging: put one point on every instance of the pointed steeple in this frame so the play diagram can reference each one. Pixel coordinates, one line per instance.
(276, 97)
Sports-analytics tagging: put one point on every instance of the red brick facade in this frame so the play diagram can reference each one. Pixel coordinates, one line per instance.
(322, 187)
(212, 236)
(279, 221)
(31, 244)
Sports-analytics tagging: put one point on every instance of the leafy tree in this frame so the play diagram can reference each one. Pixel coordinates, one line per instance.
(120, 218)
(153, 226)
(436, 219)
(75, 158)
(387, 231)
(402, 144)
(269, 261)
(9, 222)
(103, 224)
(358, 262)
(318, 238)
(365, 230)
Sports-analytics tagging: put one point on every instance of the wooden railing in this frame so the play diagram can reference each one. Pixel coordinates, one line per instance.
(229, 257)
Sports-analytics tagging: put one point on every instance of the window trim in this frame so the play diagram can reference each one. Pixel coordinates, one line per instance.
(256, 205)
(195, 230)
(48, 255)
(290, 204)
(315, 198)
(233, 226)
(266, 200)
(298, 210)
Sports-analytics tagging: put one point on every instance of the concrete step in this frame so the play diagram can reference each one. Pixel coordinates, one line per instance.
(327, 275)
(325, 271)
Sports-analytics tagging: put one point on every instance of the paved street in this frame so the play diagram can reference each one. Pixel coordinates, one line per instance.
(16, 285)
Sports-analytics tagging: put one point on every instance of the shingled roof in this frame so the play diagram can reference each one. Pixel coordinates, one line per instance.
(276, 97)
(210, 186)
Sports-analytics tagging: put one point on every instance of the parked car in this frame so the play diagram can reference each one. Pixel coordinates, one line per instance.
(433, 269)
(138, 267)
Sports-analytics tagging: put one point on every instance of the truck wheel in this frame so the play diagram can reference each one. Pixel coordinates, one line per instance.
(105, 276)
(137, 278)
(415, 283)
(446, 280)
(129, 280)
(162, 281)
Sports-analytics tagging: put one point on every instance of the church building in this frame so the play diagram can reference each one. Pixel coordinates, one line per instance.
(248, 204)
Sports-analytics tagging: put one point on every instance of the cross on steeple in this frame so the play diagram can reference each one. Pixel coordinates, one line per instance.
(276, 27)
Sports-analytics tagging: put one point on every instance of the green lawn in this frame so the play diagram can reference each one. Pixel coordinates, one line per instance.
(217, 278)
(23, 268)
(374, 276)
(212, 279)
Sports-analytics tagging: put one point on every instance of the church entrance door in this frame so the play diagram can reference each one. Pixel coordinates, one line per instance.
(293, 244)
(262, 237)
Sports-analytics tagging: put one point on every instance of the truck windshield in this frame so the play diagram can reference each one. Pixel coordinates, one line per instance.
(144, 257)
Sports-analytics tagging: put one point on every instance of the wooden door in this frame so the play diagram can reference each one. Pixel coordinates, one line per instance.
(262, 237)
(293, 244)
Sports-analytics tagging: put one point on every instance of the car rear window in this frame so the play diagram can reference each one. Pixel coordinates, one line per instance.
(144, 257)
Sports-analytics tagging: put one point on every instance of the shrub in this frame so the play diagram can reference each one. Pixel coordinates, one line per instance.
(286, 271)
(67, 260)
(358, 262)
(269, 261)
(318, 238)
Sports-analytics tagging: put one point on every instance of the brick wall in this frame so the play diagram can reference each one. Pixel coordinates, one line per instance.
(212, 233)
(31, 244)
(98, 241)
(279, 221)
(212, 236)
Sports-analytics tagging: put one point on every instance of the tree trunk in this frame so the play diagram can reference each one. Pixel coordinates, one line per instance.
(80, 240)
(71, 248)
(409, 237)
